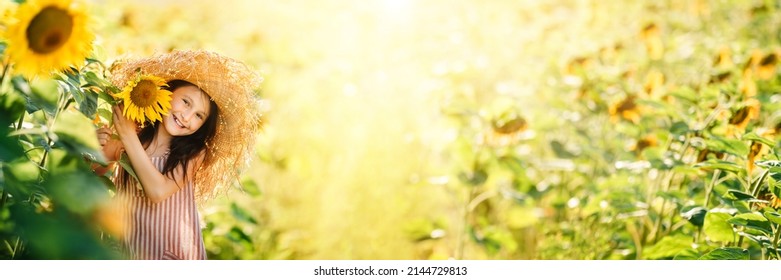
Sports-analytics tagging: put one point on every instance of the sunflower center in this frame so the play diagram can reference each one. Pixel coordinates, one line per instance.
(144, 94)
(49, 30)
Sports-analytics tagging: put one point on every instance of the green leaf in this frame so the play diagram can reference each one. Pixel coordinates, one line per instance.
(92, 79)
(686, 170)
(20, 177)
(124, 162)
(712, 164)
(750, 220)
(716, 227)
(773, 165)
(72, 183)
(774, 217)
(687, 254)
(730, 146)
(238, 235)
(77, 134)
(738, 195)
(560, 150)
(250, 187)
(679, 128)
(754, 137)
(9, 147)
(89, 104)
(45, 94)
(687, 94)
(12, 107)
(514, 164)
(730, 253)
(241, 214)
(668, 247)
(694, 214)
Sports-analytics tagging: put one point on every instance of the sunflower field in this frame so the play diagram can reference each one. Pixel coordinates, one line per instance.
(399, 129)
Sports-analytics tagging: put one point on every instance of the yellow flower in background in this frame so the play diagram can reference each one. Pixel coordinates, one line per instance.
(651, 36)
(741, 118)
(724, 58)
(626, 109)
(643, 143)
(747, 86)
(144, 99)
(758, 149)
(48, 35)
(7, 9)
(654, 81)
(767, 66)
(753, 62)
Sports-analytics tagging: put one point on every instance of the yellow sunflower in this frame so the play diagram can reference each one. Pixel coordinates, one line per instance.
(7, 9)
(48, 35)
(144, 99)
(626, 109)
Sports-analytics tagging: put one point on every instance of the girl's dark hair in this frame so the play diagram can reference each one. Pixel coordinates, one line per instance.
(182, 148)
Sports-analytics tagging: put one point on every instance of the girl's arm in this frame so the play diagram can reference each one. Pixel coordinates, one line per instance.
(157, 186)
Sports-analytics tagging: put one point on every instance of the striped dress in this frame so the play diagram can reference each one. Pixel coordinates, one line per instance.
(169, 229)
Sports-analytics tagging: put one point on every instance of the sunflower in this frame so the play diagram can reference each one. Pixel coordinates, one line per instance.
(723, 60)
(767, 66)
(48, 35)
(651, 36)
(626, 109)
(144, 99)
(7, 9)
(654, 82)
(643, 143)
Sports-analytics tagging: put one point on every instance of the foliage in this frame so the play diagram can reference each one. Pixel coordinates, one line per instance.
(502, 130)
(52, 204)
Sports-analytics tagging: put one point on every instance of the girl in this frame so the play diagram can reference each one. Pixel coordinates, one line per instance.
(196, 150)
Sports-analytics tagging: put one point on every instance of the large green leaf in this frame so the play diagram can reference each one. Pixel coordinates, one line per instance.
(720, 164)
(752, 222)
(737, 195)
(754, 137)
(716, 227)
(124, 162)
(12, 106)
(59, 235)
(45, 94)
(72, 183)
(76, 133)
(687, 254)
(726, 145)
(774, 217)
(20, 177)
(668, 247)
(726, 254)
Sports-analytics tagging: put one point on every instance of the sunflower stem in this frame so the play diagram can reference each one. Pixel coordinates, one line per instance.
(709, 190)
(775, 241)
(3, 198)
(6, 67)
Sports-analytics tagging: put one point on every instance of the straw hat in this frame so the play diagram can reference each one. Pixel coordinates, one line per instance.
(231, 85)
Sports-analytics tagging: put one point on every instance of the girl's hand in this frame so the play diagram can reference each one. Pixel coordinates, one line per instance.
(110, 146)
(124, 126)
(104, 135)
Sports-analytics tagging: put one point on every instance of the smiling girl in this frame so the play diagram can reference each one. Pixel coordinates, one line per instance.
(185, 157)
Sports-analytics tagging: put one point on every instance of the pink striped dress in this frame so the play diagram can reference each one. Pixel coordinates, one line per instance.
(169, 229)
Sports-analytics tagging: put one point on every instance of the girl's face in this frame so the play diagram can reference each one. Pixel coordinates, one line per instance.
(189, 110)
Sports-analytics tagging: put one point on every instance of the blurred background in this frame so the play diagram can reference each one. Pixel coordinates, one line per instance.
(564, 129)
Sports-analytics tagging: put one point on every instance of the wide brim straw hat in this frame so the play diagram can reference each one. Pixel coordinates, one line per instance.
(232, 85)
